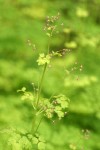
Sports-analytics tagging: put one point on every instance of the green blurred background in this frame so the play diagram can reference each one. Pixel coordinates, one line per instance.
(21, 20)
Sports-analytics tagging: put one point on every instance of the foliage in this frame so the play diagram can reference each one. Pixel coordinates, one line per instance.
(41, 106)
(23, 20)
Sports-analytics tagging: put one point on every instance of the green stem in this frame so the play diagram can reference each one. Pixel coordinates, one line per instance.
(38, 97)
(37, 119)
(49, 41)
(33, 130)
(45, 66)
(33, 123)
(40, 86)
(38, 125)
(49, 44)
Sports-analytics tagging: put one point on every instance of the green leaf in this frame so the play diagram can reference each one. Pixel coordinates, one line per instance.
(41, 146)
(34, 140)
(48, 34)
(64, 104)
(41, 139)
(27, 95)
(43, 59)
(49, 113)
(57, 108)
(25, 143)
(24, 89)
(30, 136)
(60, 114)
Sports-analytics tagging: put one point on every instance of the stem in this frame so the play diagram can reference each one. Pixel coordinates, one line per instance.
(37, 119)
(33, 123)
(49, 44)
(45, 66)
(40, 86)
(49, 41)
(38, 125)
(33, 130)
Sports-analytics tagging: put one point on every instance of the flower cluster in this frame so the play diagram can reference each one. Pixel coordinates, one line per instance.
(31, 45)
(51, 24)
(60, 52)
(43, 59)
(86, 134)
(57, 108)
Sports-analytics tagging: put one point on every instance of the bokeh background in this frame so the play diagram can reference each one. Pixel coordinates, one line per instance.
(21, 20)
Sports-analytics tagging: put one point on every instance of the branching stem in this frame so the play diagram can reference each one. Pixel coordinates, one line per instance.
(33, 130)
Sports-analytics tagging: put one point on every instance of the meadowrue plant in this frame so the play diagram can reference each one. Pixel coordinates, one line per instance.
(55, 107)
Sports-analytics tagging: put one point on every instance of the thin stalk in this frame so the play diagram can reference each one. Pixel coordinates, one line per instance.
(49, 44)
(38, 125)
(40, 86)
(33, 123)
(45, 66)
(33, 130)
(49, 41)
(38, 97)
